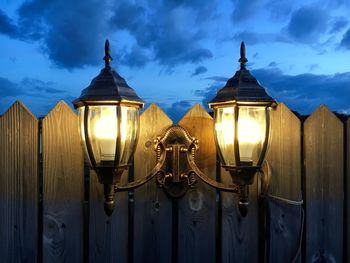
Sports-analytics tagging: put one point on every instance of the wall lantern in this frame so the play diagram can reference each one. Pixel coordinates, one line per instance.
(242, 125)
(109, 128)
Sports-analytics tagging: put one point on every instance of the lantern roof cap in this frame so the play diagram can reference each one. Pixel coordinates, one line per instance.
(242, 87)
(108, 86)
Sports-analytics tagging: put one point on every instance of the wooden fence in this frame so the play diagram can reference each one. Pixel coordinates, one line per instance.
(51, 208)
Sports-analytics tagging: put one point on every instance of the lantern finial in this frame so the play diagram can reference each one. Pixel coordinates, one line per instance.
(107, 58)
(243, 60)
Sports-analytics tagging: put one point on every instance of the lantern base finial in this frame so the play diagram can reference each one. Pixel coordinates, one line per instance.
(109, 199)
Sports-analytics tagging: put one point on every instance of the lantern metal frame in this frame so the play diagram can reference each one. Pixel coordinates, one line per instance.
(243, 90)
(175, 168)
(108, 89)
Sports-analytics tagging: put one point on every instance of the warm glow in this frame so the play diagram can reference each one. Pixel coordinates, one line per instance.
(249, 131)
(227, 126)
(106, 126)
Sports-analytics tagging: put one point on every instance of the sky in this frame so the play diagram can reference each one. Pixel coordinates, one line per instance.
(175, 53)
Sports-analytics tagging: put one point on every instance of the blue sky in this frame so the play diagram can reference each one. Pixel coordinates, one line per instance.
(175, 52)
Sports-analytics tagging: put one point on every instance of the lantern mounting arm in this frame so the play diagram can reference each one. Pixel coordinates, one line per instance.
(234, 188)
(135, 184)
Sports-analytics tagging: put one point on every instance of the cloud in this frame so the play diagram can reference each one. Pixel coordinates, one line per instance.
(279, 9)
(136, 58)
(6, 25)
(345, 42)
(243, 10)
(338, 25)
(302, 93)
(307, 24)
(29, 87)
(252, 38)
(178, 109)
(71, 34)
(171, 30)
(40, 96)
(272, 64)
(8, 88)
(217, 78)
(199, 70)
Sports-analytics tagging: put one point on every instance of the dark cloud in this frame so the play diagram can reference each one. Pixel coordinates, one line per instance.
(8, 88)
(40, 96)
(136, 58)
(217, 78)
(272, 64)
(252, 38)
(307, 24)
(303, 93)
(244, 10)
(71, 34)
(338, 25)
(345, 42)
(279, 9)
(6, 25)
(166, 28)
(199, 70)
(178, 109)
(28, 87)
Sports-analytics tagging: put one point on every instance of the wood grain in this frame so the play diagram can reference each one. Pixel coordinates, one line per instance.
(62, 186)
(108, 235)
(153, 210)
(284, 158)
(197, 207)
(18, 185)
(324, 156)
(240, 235)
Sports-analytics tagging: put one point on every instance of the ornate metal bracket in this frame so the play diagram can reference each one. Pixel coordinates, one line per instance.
(176, 169)
(175, 175)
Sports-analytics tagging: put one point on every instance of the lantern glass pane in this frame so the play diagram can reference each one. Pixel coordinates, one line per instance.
(251, 134)
(129, 133)
(102, 131)
(103, 134)
(82, 132)
(224, 132)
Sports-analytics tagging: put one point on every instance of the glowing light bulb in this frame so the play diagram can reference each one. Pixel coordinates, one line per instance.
(106, 126)
(250, 135)
(249, 131)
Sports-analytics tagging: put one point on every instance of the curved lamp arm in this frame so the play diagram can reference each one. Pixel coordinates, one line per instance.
(220, 186)
(129, 186)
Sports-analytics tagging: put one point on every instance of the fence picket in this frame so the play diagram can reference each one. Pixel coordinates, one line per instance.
(284, 158)
(324, 156)
(18, 185)
(153, 210)
(62, 186)
(197, 207)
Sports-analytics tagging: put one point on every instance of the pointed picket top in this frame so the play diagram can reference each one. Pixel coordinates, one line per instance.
(61, 108)
(323, 111)
(155, 110)
(18, 105)
(196, 111)
(283, 154)
(283, 108)
(324, 184)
